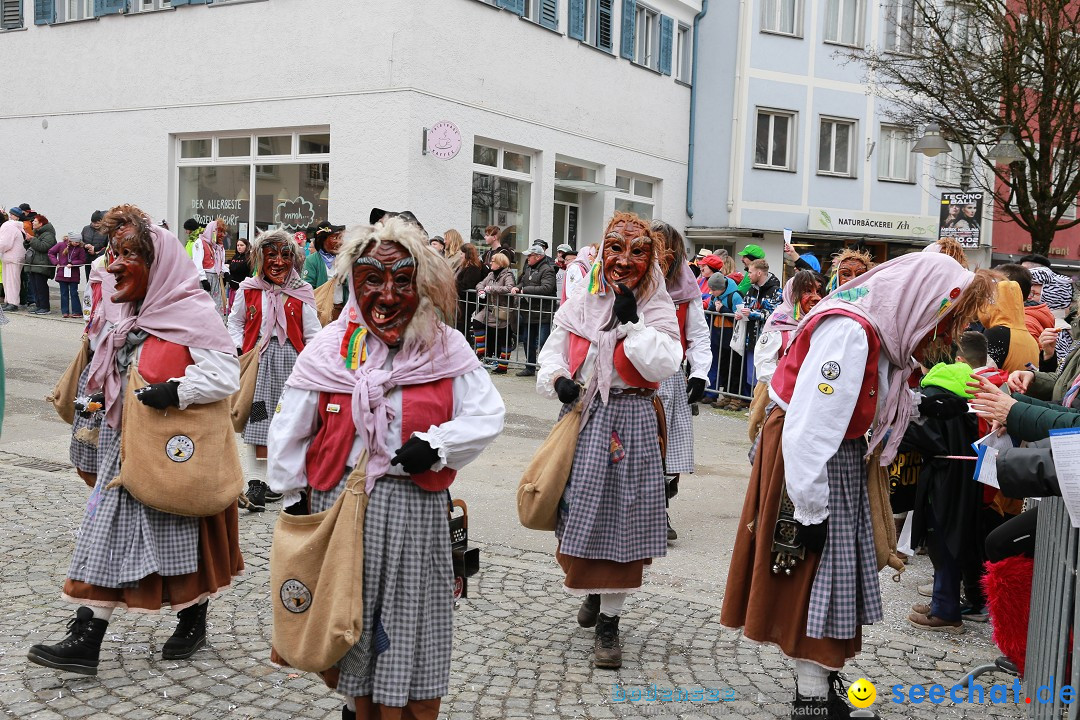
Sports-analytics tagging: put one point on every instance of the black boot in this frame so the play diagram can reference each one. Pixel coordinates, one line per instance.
(838, 707)
(190, 634)
(607, 649)
(79, 651)
(671, 534)
(347, 714)
(590, 608)
(256, 495)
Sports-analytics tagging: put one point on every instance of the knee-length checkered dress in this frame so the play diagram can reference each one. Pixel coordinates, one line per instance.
(275, 365)
(846, 593)
(84, 455)
(404, 649)
(121, 540)
(680, 424)
(613, 508)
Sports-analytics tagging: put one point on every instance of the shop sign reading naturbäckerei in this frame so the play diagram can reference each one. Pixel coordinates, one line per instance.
(871, 223)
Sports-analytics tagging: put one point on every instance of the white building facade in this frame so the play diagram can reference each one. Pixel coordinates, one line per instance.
(539, 116)
(789, 137)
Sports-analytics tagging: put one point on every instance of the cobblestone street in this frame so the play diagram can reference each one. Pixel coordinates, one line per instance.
(518, 652)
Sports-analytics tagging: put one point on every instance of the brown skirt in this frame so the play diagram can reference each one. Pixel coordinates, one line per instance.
(220, 561)
(773, 608)
(586, 575)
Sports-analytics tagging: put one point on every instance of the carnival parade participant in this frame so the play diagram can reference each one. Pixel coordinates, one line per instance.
(129, 555)
(208, 254)
(423, 407)
(319, 264)
(274, 313)
(678, 392)
(801, 293)
(618, 338)
(803, 573)
(848, 265)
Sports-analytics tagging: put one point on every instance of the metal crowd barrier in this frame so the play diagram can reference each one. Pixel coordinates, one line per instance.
(1055, 604)
(727, 376)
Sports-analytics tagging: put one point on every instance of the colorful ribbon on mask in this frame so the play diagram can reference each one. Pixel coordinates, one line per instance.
(353, 347)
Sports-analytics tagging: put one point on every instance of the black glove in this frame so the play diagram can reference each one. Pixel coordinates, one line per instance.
(943, 407)
(205, 285)
(625, 305)
(87, 406)
(159, 395)
(567, 390)
(812, 537)
(695, 390)
(415, 456)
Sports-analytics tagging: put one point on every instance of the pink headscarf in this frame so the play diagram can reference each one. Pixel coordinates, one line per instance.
(783, 317)
(176, 309)
(591, 316)
(903, 300)
(104, 311)
(321, 368)
(209, 235)
(273, 322)
(684, 287)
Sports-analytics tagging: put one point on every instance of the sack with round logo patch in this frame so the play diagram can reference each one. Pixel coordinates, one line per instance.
(317, 580)
(240, 401)
(182, 462)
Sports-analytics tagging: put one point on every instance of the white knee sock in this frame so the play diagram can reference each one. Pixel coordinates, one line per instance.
(102, 613)
(255, 467)
(812, 679)
(611, 604)
(350, 702)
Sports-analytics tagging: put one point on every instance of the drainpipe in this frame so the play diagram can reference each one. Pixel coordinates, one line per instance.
(736, 106)
(693, 108)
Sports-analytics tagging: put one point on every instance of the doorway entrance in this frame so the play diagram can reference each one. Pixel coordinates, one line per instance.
(565, 217)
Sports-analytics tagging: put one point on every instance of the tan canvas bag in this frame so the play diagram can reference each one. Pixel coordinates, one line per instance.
(182, 462)
(240, 401)
(545, 478)
(67, 387)
(324, 301)
(316, 579)
(881, 517)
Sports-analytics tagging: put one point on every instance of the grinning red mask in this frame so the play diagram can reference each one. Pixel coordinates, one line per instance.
(384, 281)
(849, 270)
(129, 267)
(276, 263)
(628, 254)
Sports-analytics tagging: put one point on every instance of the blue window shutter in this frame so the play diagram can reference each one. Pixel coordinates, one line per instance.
(605, 19)
(10, 14)
(44, 12)
(109, 7)
(576, 28)
(514, 6)
(629, 19)
(549, 14)
(179, 2)
(667, 29)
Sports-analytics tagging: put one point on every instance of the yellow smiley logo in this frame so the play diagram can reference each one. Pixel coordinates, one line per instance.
(862, 693)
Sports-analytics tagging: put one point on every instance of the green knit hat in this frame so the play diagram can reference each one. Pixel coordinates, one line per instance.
(953, 377)
(753, 251)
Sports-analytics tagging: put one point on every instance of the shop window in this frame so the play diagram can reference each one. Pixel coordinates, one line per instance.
(842, 20)
(211, 191)
(314, 144)
(782, 16)
(835, 147)
(516, 162)
(501, 193)
(896, 162)
(569, 171)
(623, 182)
(774, 146)
(275, 145)
(483, 155)
(239, 147)
(10, 14)
(293, 196)
(195, 148)
(635, 195)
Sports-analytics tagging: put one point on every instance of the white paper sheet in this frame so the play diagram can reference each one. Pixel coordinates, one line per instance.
(986, 467)
(68, 271)
(1065, 445)
(903, 543)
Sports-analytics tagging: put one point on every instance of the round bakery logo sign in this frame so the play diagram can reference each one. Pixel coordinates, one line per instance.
(295, 596)
(180, 448)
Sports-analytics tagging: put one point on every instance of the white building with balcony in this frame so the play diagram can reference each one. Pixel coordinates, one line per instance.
(539, 116)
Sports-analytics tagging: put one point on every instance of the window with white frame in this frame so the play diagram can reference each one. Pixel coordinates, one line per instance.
(502, 192)
(599, 23)
(836, 143)
(782, 16)
(149, 5)
(636, 194)
(10, 14)
(896, 162)
(963, 28)
(682, 54)
(69, 10)
(949, 167)
(843, 19)
(900, 25)
(774, 145)
(646, 37)
(543, 12)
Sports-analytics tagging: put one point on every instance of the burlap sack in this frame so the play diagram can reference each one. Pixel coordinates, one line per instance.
(324, 301)
(545, 478)
(757, 409)
(661, 427)
(182, 462)
(240, 401)
(67, 387)
(881, 517)
(316, 579)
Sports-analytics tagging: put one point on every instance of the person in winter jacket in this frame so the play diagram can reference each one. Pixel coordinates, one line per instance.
(491, 323)
(93, 241)
(41, 267)
(1041, 322)
(765, 295)
(534, 314)
(725, 300)
(67, 255)
(1007, 338)
(12, 253)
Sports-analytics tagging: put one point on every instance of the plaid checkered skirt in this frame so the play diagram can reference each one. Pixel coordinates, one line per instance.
(121, 540)
(846, 593)
(613, 505)
(275, 366)
(680, 424)
(84, 456)
(404, 650)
